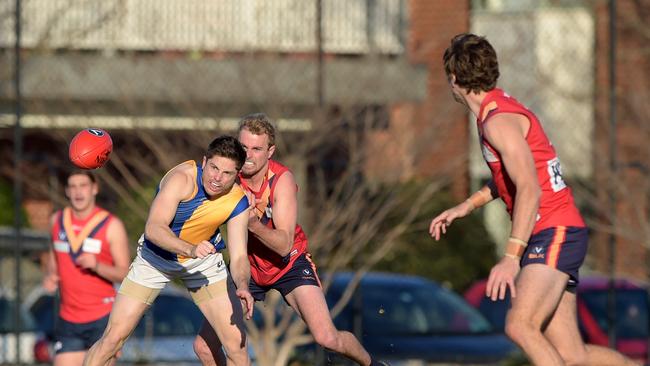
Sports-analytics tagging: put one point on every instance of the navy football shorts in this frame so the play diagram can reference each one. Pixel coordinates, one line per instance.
(75, 337)
(562, 247)
(302, 272)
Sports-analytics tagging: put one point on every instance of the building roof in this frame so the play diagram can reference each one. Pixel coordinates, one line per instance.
(148, 78)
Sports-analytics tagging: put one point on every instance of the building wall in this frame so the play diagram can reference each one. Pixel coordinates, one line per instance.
(352, 26)
(427, 140)
(631, 180)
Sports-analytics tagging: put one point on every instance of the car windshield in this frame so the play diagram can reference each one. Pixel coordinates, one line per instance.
(419, 310)
(631, 311)
(8, 318)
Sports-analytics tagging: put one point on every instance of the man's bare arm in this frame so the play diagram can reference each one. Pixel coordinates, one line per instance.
(285, 215)
(51, 277)
(119, 247)
(175, 188)
(237, 249)
(506, 132)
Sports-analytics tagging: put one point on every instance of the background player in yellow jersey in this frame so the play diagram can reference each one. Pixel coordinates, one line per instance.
(181, 241)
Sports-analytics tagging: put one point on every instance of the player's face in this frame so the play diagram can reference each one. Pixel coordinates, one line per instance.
(258, 152)
(219, 175)
(81, 192)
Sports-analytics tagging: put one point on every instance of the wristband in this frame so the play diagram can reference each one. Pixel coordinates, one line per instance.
(478, 199)
(515, 248)
(512, 256)
(518, 241)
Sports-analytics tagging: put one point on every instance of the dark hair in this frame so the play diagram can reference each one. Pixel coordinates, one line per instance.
(227, 147)
(72, 172)
(473, 61)
(258, 124)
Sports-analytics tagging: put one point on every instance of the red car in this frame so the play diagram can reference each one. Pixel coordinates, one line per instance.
(631, 313)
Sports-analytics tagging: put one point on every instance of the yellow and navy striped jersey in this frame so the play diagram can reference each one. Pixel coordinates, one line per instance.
(200, 217)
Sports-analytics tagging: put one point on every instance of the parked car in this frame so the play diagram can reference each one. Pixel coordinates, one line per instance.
(631, 313)
(28, 335)
(164, 335)
(411, 320)
(494, 311)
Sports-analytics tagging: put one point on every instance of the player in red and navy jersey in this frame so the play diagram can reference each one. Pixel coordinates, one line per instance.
(548, 240)
(90, 252)
(277, 248)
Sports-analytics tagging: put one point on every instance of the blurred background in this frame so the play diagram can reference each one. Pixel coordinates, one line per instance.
(365, 118)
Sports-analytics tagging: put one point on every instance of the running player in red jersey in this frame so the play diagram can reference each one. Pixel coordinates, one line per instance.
(277, 248)
(89, 253)
(548, 241)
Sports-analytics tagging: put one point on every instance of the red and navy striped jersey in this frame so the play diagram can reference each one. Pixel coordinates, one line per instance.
(556, 205)
(85, 296)
(266, 265)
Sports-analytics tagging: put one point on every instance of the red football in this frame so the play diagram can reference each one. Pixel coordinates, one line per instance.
(90, 148)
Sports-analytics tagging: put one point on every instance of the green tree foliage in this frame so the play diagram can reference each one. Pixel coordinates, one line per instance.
(7, 206)
(463, 255)
(133, 221)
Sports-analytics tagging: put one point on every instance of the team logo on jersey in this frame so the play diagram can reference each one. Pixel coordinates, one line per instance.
(91, 245)
(537, 253)
(61, 246)
(268, 212)
(306, 271)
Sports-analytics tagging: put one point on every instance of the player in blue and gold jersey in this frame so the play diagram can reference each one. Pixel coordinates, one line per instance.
(181, 240)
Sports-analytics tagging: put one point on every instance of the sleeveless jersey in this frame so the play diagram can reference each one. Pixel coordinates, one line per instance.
(85, 296)
(199, 217)
(556, 205)
(268, 266)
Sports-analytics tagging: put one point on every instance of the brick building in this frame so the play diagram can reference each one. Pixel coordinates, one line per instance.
(386, 56)
(123, 66)
(631, 179)
(431, 135)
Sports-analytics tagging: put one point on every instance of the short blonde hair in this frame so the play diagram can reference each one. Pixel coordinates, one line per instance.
(258, 124)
